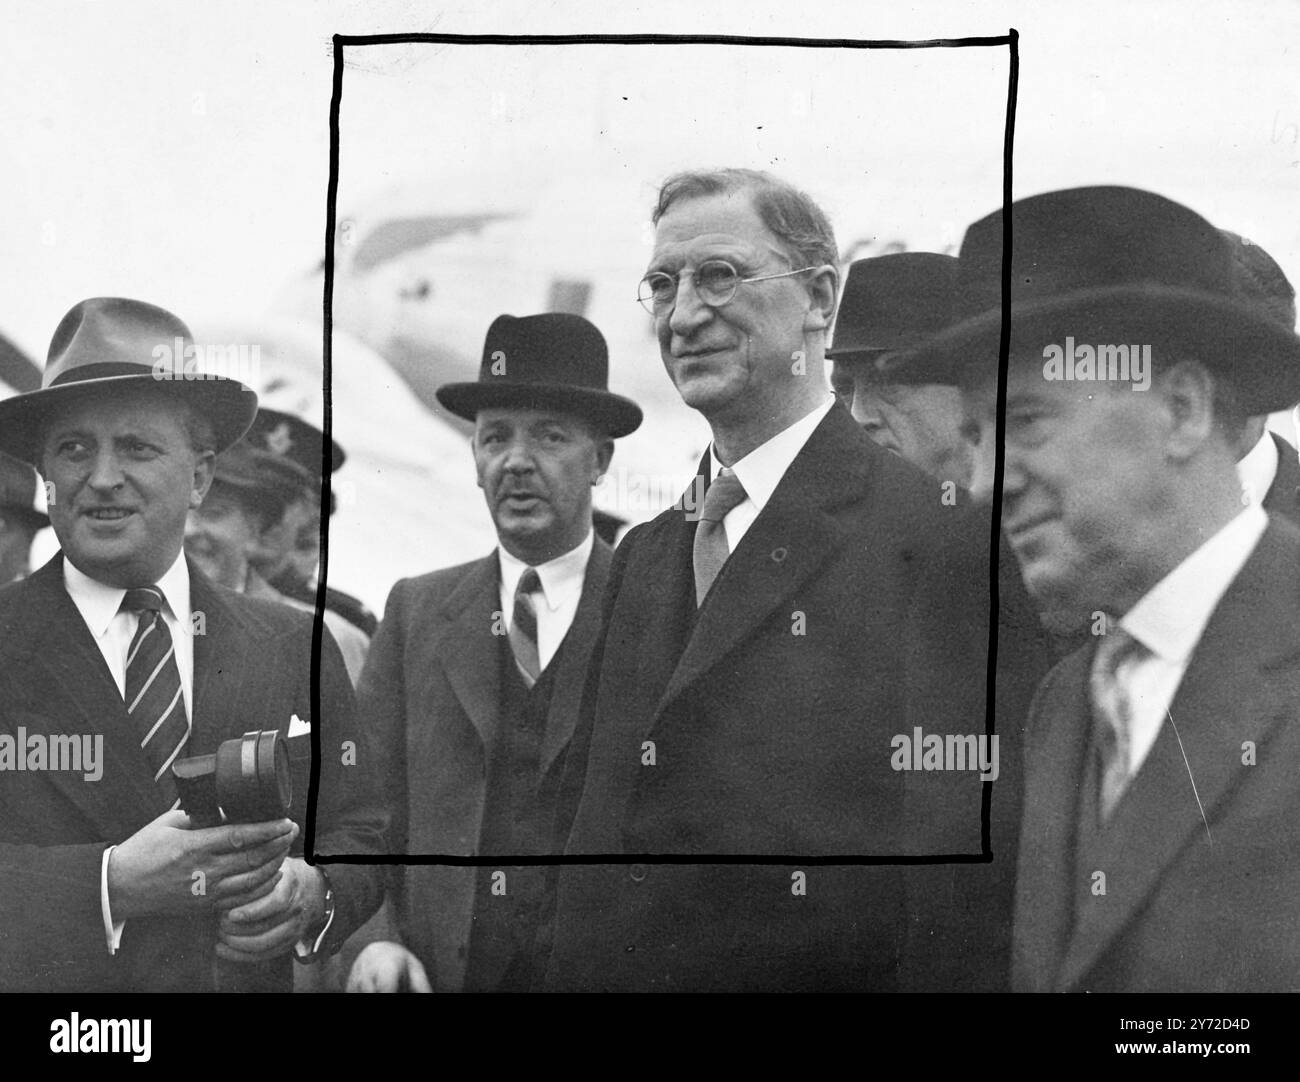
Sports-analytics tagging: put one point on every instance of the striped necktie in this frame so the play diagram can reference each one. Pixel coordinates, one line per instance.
(710, 550)
(523, 627)
(153, 684)
(1112, 714)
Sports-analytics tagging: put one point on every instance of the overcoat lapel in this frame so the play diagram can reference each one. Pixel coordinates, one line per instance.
(1045, 877)
(791, 539)
(468, 649)
(1242, 682)
(571, 677)
(60, 653)
(225, 702)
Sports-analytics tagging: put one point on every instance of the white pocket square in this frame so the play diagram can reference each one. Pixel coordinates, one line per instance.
(297, 727)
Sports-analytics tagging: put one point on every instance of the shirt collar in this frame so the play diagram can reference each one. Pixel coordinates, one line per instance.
(761, 470)
(98, 602)
(1257, 468)
(1170, 618)
(556, 575)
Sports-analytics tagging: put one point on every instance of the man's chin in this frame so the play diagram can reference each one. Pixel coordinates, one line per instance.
(706, 394)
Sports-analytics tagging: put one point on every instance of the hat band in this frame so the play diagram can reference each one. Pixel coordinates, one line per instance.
(99, 370)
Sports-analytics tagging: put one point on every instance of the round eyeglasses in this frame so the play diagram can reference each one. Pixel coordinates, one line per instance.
(716, 282)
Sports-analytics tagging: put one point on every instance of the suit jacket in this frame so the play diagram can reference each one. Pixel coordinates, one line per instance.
(252, 669)
(430, 693)
(1189, 905)
(762, 725)
(1283, 496)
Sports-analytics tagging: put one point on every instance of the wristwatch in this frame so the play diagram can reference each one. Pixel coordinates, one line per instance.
(312, 954)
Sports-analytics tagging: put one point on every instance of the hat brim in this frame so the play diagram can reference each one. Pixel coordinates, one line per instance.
(226, 403)
(1259, 356)
(612, 413)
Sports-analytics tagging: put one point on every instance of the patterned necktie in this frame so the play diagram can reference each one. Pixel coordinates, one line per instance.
(523, 628)
(153, 684)
(1112, 714)
(711, 549)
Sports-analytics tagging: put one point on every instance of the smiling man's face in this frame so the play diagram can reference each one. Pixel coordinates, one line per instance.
(740, 360)
(124, 477)
(536, 469)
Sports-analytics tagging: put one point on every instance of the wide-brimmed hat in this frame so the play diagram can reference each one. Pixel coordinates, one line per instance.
(18, 492)
(893, 302)
(554, 361)
(110, 342)
(1109, 265)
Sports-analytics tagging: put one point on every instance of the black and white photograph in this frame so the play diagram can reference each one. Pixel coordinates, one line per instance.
(566, 498)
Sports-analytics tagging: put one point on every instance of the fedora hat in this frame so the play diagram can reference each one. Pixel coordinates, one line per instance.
(552, 361)
(110, 342)
(891, 303)
(1109, 264)
(18, 492)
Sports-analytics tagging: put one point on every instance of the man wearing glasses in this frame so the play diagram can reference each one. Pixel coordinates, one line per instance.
(755, 662)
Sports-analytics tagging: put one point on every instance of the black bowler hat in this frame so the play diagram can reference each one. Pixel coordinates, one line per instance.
(108, 342)
(1110, 264)
(553, 361)
(1260, 277)
(893, 302)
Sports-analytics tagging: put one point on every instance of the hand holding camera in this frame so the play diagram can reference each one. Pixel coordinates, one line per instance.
(225, 845)
(167, 867)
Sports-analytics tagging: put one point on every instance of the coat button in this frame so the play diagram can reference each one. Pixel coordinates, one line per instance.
(637, 873)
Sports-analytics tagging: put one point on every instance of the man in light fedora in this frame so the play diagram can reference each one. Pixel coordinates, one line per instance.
(892, 303)
(473, 681)
(121, 650)
(1160, 844)
(20, 521)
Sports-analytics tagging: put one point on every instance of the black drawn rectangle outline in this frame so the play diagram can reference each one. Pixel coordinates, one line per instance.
(343, 41)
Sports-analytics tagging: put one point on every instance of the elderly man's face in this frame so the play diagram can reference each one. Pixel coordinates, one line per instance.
(124, 477)
(740, 360)
(536, 469)
(921, 422)
(1085, 481)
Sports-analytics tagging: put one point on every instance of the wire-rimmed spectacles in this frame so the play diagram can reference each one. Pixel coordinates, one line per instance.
(715, 280)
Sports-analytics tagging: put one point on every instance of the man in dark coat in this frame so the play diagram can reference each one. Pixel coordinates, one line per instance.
(1158, 850)
(757, 662)
(116, 659)
(474, 679)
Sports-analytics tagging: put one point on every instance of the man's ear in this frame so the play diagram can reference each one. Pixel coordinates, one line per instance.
(204, 471)
(604, 455)
(1188, 392)
(823, 292)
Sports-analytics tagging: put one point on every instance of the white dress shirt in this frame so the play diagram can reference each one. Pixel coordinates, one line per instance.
(561, 581)
(761, 471)
(1169, 621)
(1257, 470)
(100, 607)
